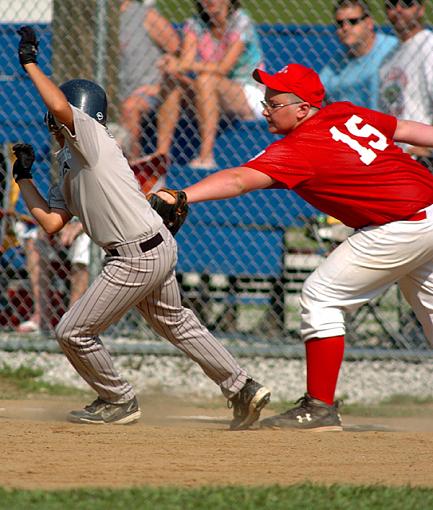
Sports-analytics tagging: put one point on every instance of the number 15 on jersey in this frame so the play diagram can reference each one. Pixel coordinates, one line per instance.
(373, 140)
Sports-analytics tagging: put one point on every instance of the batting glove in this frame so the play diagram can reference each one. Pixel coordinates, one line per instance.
(28, 46)
(25, 155)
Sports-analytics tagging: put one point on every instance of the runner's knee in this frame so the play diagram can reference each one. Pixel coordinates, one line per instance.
(68, 333)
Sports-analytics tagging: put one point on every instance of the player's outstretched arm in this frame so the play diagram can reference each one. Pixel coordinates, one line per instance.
(414, 133)
(51, 220)
(50, 93)
(227, 184)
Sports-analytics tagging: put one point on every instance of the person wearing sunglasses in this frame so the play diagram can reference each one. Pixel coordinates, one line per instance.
(353, 73)
(407, 76)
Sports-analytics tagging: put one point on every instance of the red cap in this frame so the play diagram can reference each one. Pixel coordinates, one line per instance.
(300, 80)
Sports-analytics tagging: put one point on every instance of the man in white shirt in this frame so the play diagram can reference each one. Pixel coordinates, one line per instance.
(407, 76)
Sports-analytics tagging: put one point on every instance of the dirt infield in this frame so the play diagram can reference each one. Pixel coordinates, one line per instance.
(184, 446)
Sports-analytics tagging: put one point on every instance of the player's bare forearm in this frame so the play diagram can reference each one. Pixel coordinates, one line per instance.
(50, 220)
(51, 95)
(224, 184)
(414, 133)
(227, 184)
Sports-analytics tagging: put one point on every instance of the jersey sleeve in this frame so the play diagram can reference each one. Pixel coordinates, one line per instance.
(241, 29)
(191, 27)
(283, 163)
(385, 123)
(427, 67)
(56, 199)
(85, 140)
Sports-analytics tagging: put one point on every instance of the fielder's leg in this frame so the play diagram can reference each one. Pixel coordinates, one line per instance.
(417, 288)
(358, 270)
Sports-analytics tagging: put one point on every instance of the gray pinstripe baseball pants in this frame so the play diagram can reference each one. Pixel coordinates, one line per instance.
(148, 282)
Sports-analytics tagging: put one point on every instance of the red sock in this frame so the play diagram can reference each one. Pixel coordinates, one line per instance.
(324, 358)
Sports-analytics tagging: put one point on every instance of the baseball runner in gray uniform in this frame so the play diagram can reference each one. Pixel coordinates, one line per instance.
(97, 185)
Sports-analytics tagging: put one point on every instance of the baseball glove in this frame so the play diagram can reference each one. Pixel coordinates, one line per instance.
(173, 215)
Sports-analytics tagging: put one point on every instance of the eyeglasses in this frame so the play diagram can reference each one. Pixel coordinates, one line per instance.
(272, 107)
(405, 4)
(350, 21)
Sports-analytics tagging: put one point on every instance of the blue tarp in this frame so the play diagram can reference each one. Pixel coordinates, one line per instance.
(244, 235)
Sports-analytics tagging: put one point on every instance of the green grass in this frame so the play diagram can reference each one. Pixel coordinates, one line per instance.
(306, 496)
(283, 11)
(24, 381)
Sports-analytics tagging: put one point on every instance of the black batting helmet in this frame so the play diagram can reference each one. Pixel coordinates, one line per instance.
(88, 97)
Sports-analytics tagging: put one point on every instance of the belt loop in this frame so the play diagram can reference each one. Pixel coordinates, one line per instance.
(151, 243)
(142, 247)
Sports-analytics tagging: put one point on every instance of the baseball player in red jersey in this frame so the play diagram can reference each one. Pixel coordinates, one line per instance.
(343, 160)
(97, 185)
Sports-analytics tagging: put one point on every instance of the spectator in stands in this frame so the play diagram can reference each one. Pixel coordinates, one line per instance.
(145, 36)
(220, 49)
(78, 242)
(39, 251)
(28, 238)
(407, 76)
(355, 77)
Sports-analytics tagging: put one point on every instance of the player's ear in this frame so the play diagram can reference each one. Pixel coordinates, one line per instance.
(303, 110)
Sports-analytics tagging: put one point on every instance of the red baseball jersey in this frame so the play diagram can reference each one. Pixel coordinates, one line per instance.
(344, 162)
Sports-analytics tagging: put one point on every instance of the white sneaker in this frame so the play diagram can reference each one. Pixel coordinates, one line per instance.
(29, 327)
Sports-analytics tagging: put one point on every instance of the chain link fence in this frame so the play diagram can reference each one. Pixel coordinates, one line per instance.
(241, 262)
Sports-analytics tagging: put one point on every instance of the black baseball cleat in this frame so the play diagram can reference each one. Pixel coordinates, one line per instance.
(310, 414)
(100, 412)
(247, 404)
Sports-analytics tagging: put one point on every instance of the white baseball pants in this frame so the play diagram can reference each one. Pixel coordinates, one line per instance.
(364, 266)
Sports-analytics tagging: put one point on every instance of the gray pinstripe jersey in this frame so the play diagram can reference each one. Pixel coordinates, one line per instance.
(97, 185)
